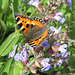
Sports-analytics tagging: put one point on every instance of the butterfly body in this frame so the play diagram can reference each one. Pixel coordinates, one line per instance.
(32, 28)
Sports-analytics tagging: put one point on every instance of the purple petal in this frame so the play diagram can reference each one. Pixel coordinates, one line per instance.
(64, 45)
(24, 49)
(20, 8)
(62, 48)
(23, 1)
(34, 3)
(11, 4)
(11, 54)
(30, 48)
(62, 20)
(24, 59)
(24, 53)
(57, 44)
(24, 73)
(24, 56)
(60, 28)
(45, 64)
(60, 62)
(52, 28)
(59, 13)
(57, 55)
(65, 54)
(30, 2)
(66, 60)
(57, 31)
(45, 69)
(55, 65)
(69, 2)
(14, 48)
(17, 57)
(45, 61)
(57, 17)
(37, 1)
(20, 44)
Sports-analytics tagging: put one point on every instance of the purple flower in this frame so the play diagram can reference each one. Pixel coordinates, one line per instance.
(66, 60)
(57, 55)
(69, 2)
(24, 49)
(14, 48)
(24, 73)
(30, 48)
(64, 54)
(11, 54)
(17, 57)
(23, 1)
(27, 46)
(55, 65)
(57, 17)
(20, 7)
(57, 43)
(57, 31)
(22, 56)
(34, 3)
(59, 63)
(62, 48)
(45, 44)
(46, 65)
(20, 45)
(11, 4)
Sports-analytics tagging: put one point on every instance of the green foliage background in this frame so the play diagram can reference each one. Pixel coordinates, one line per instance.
(7, 33)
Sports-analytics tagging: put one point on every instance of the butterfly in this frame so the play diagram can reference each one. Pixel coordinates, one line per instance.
(32, 28)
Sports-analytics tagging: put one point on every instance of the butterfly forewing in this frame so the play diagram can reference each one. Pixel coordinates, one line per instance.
(33, 29)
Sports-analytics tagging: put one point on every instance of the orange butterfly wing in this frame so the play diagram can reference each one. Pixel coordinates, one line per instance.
(33, 29)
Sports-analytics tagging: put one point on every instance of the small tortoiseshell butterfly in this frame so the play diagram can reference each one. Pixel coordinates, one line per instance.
(33, 29)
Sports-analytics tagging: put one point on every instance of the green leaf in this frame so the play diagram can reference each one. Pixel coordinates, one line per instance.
(72, 31)
(6, 67)
(63, 10)
(19, 2)
(72, 62)
(5, 4)
(1, 11)
(58, 68)
(2, 61)
(3, 25)
(16, 68)
(8, 44)
(15, 5)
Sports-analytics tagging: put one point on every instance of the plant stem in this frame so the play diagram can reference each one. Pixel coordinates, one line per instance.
(3, 25)
(33, 61)
(2, 38)
(7, 45)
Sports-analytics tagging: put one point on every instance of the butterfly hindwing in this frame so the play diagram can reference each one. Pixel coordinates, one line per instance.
(33, 33)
